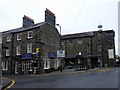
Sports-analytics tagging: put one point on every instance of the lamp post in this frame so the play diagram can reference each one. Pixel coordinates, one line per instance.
(60, 34)
(60, 46)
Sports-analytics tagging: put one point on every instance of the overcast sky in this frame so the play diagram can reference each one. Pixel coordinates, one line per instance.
(74, 16)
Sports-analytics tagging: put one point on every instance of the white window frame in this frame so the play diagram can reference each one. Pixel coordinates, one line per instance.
(29, 48)
(7, 52)
(62, 42)
(18, 50)
(18, 36)
(30, 34)
(8, 38)
(4, 65)
(27, 65)
(80, 41)
(46, 64)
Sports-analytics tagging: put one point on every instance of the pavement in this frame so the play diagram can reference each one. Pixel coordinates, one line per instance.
(7, 83)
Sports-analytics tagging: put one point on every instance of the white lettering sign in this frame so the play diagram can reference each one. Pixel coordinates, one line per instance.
(61, 53)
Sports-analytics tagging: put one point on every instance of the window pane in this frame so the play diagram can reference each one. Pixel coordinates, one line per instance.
(29, 48)
(30, 34)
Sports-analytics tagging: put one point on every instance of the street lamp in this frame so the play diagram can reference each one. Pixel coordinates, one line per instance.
(60, 46)
(60, 34)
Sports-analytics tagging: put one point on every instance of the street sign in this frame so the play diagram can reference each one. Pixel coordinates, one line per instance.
(26, 56)
(37, 49)
(61, 53)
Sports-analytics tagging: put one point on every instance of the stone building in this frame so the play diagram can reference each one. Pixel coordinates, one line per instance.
(89, 49)
(31, 48)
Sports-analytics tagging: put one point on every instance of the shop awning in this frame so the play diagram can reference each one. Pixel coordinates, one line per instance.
(95, 55)
(82, 56)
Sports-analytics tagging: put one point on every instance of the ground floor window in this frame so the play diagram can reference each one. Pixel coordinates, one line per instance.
(56, 63)
(4, 65)
(46, 64)
(27, 65)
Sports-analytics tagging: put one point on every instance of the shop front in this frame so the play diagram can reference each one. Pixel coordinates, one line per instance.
(31, 65)
(81, 63)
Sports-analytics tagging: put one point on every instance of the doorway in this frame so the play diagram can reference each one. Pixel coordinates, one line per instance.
(16, 67)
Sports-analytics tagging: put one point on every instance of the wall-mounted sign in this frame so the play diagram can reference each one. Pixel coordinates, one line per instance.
(37, 49)
(52, 55)
(26, 56)
(61, 53)
(111, 53)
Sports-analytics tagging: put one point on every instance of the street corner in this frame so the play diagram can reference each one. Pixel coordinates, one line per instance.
(7, 83)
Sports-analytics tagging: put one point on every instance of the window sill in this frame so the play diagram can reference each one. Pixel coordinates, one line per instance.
(5, 69)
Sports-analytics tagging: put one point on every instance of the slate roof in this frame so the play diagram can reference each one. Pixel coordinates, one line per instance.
(77, 35)
(24, 28)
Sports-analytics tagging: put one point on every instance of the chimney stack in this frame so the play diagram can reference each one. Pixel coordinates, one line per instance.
(27, 21)
(50, 17)
(100, 27)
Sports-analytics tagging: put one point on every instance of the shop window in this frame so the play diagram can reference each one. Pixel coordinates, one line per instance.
(18, 50)
(7, 52)
(8, 38)
(27, 65)
(4, 65)
(47, 65)
(30, 34)
(19, 37)
(29, 48)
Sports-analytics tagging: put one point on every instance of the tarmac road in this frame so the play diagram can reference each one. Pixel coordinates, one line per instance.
(97, 79)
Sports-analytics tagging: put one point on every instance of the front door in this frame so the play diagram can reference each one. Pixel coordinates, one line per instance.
(16, 67)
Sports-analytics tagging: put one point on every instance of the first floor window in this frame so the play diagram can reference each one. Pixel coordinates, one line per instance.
(29, 48)
(62, 42)
(69, 41)
(80, 41)
(18, 50)
(4, 65)
(27, 65)
(7, 52)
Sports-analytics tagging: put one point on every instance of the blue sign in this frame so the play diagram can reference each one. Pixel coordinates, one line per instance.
(52, 55)
(26, 56)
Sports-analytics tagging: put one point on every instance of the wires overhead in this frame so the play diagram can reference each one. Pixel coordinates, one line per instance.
(79, 13)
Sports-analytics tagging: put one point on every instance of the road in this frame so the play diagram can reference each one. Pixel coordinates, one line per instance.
(97, 79)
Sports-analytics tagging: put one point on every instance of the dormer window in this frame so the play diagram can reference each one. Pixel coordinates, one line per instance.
(8, 39)
(30, 34)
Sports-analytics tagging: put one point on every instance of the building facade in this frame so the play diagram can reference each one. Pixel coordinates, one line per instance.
(89, 49)
(0, 60)
(32, 48)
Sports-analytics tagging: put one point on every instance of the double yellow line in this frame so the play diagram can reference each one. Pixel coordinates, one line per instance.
(104, 70)
(13, 82)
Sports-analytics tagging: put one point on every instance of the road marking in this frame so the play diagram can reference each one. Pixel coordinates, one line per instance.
(104, 70)
(13, 82)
